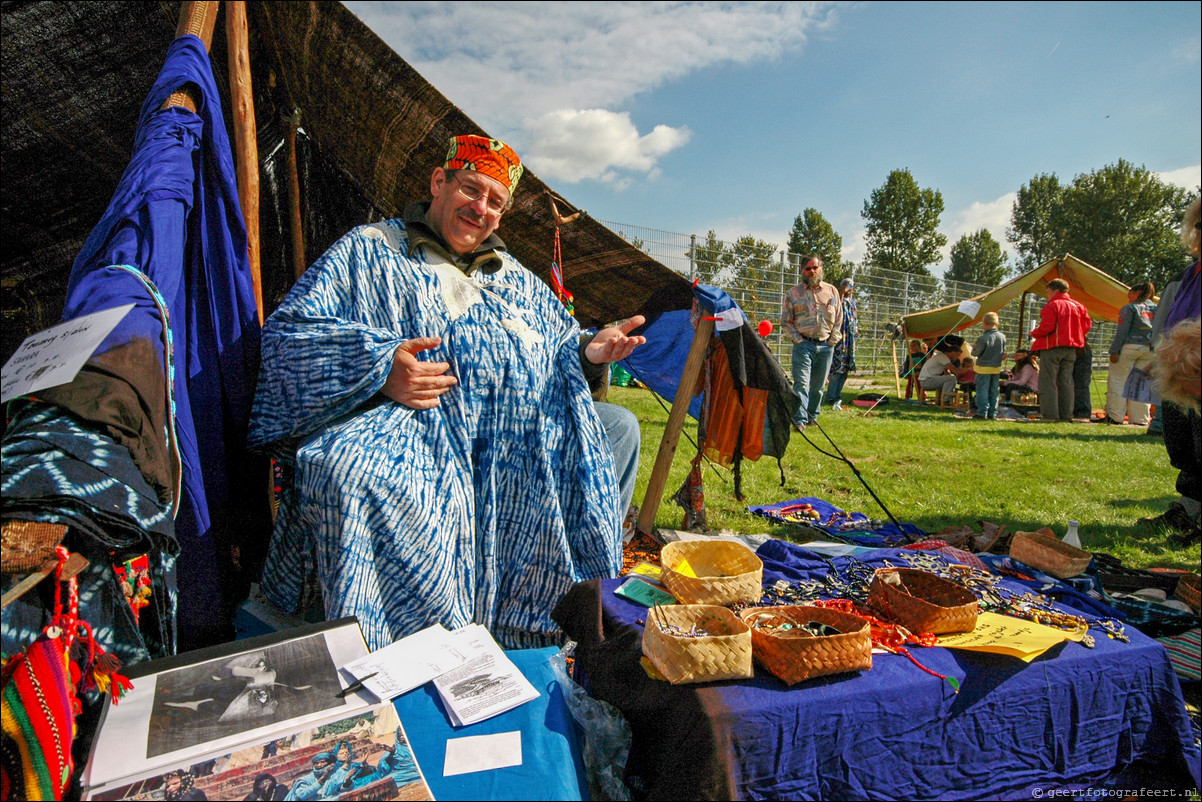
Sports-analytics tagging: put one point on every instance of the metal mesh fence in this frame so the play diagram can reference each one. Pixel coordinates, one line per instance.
(758, 282)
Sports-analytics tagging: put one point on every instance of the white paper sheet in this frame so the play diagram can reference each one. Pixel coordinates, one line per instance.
(487, 685)
(482, 753)
(53, 356)
(410, 662)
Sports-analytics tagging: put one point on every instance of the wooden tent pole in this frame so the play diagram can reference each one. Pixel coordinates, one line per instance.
(196, 17)
(896, 368)
(680, 408)
(294, 203)
(1022, 318)
(242, 103)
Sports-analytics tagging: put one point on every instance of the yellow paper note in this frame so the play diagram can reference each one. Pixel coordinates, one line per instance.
(684, 569)
(1003, 634)
(648, 570)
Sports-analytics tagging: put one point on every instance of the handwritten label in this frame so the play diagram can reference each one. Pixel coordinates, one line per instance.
(1002, 634)
(54, 356)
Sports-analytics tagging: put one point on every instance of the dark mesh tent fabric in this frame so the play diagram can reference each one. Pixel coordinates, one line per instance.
(74, 75)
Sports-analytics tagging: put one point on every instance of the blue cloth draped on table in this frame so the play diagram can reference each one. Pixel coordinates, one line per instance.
(484, 509)
(551, 767)
(1074, 718)
(886, 535)
(172, 382)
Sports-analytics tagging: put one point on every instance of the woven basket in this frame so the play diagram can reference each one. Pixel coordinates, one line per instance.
(27, 545)
(1188, 590)
(1041, 549)
(723, 654)
(727, 572)
(922, 602)
(793, 656)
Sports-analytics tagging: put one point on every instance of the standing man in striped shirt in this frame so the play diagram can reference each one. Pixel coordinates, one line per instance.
(1063, 324)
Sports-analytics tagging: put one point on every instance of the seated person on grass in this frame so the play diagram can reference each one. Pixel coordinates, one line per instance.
(1024, 378)
(939, 371)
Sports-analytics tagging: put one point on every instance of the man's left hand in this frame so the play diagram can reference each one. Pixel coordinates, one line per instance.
(615, 343)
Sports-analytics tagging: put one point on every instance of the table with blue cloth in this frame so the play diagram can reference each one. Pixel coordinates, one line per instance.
(551, 762)
(1111, 717)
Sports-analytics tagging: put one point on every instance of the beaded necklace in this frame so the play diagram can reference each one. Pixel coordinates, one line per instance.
(1029, 606)
(891, 638)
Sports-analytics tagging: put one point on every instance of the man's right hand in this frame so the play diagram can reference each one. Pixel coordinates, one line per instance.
(414, 383)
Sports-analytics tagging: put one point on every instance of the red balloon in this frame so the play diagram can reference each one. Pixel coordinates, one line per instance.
(765, 328)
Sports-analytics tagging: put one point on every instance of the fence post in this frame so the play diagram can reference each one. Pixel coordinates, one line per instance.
(692, 257)
(780, 303)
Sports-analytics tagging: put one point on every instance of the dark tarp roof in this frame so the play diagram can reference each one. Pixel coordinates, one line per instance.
(74, 75)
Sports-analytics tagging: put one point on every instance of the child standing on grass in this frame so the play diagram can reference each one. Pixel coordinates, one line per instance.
(989, 351)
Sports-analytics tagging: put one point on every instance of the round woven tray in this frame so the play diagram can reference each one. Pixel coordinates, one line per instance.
(727, 572)
(724, 653)
(793, 656)
(922, 602)
(1041, 549)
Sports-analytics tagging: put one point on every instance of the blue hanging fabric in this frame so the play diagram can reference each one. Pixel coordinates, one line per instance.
(173, 243)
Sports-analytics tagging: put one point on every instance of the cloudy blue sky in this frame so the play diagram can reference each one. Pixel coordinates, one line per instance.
(735, 117)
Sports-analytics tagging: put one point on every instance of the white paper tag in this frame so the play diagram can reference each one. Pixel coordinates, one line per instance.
(482, 753)
(969, 308)
(55, 355)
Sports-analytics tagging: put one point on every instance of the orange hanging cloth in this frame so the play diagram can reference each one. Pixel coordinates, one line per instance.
(735, 428)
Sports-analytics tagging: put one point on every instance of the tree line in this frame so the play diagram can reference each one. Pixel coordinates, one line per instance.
(1122, 219)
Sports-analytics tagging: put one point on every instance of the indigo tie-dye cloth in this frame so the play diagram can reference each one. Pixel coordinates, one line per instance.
(485, 509)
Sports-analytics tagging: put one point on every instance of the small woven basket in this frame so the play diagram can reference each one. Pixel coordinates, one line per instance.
(1041, 549)
(727, 572)
(922, 602)
(1188, 590)
(723, 653)
(795, 655)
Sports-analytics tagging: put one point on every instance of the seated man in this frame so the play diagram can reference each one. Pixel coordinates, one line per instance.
(938, 371)
(449, 463)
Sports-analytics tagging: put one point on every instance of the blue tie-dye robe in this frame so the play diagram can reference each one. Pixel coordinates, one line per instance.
(485, 509)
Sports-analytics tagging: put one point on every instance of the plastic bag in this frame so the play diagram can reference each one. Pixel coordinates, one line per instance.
(604, 733)
(1138, 386)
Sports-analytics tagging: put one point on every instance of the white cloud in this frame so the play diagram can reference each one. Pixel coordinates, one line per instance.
(855, 246)
(572, 146)
(530, 71)
(1188, 177)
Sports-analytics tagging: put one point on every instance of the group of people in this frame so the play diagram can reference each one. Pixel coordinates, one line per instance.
(450, 465)
(820, 320)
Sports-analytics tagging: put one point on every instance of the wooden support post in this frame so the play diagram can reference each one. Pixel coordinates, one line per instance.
(294, 202)
(896, 367)
(1022, 318)
(196, 17)
(242, 103)
(680, 408)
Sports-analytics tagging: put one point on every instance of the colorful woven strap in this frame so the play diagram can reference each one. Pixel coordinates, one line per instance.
(38, 721)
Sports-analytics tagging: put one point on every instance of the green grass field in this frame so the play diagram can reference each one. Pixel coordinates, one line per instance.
(934, 470)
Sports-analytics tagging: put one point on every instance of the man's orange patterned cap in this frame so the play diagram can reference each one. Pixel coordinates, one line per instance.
(490, 157)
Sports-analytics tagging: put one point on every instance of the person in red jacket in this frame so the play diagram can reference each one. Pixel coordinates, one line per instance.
(1063, 324)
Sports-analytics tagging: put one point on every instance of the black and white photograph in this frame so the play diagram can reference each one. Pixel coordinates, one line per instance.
(247, 691)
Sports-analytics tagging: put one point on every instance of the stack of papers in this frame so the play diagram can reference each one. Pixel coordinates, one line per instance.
(474, 677)
(487, 685)
(410, 662)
